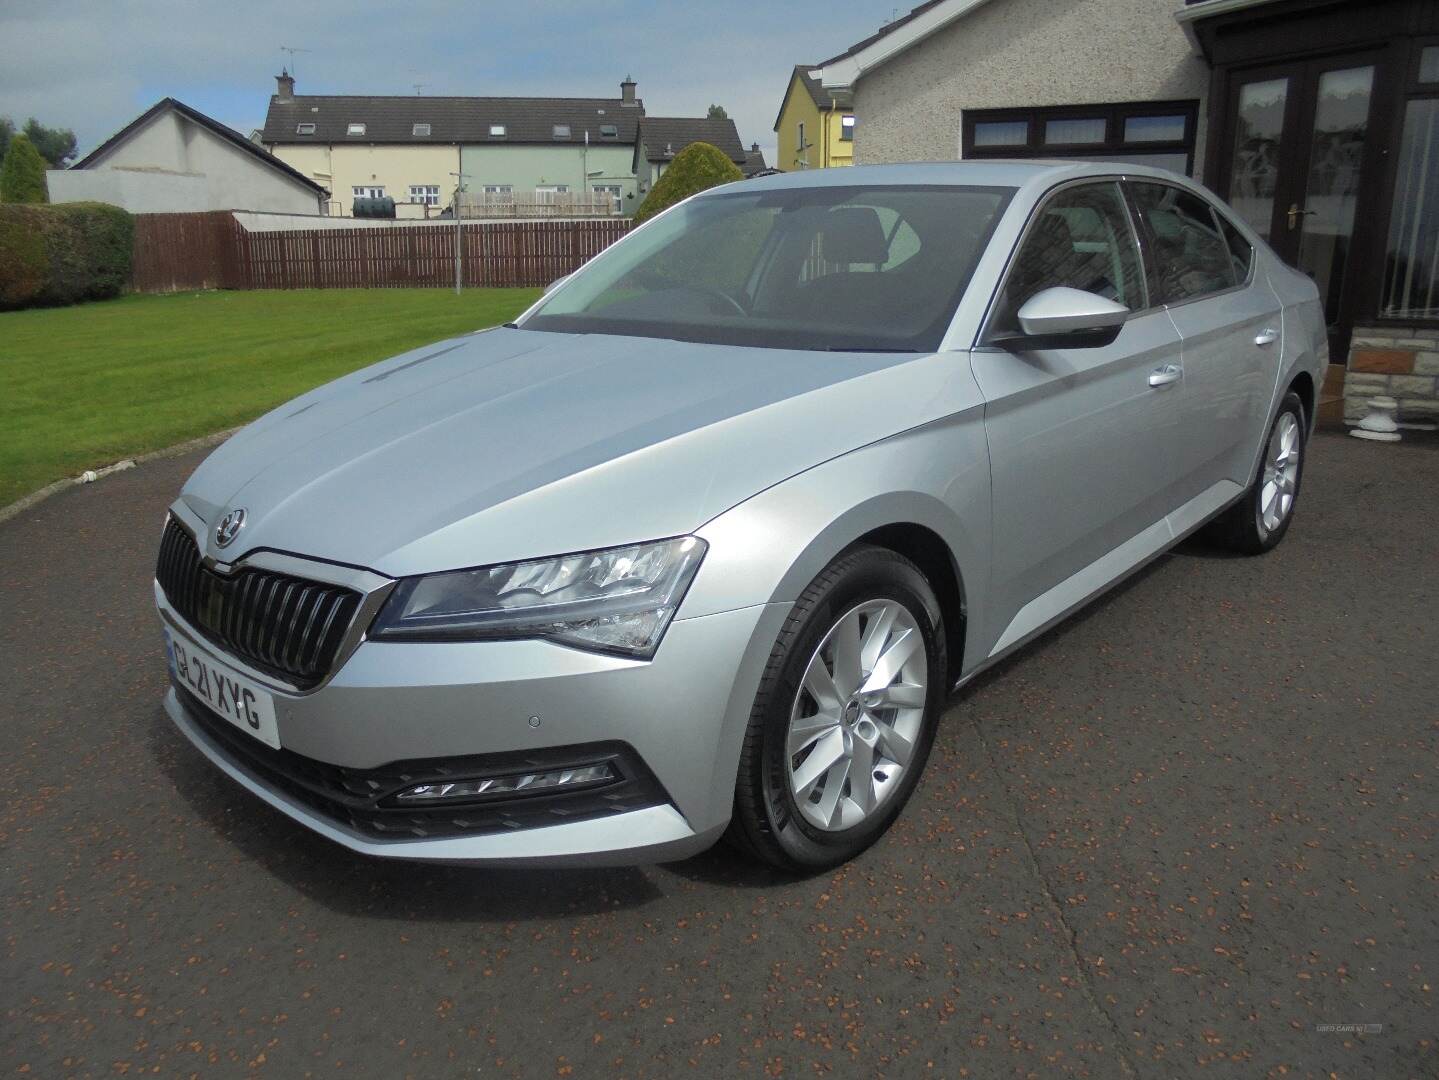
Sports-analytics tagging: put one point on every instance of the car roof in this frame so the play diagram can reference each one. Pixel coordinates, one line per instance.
(988, 173)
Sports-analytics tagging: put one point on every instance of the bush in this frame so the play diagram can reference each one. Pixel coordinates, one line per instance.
(63, 254)
(697, 167)
(22, 174)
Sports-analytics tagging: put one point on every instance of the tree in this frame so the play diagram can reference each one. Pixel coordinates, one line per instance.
(22, 175)
(56, 145)
(7, 132)
(697, 167)
(717, 113)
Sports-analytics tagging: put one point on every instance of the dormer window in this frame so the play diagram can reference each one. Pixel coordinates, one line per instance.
(497, 131)
(609, 131)
(355, 129)
(562, 131)
(420, 130)
(305, 129)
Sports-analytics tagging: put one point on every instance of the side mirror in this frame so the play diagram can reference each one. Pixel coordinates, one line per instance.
(552, 286)
(1061, 317)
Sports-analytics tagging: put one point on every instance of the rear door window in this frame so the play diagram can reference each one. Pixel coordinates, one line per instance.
(1191, 258)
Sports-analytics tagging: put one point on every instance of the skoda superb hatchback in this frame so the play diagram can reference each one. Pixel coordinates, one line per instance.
(700, 544)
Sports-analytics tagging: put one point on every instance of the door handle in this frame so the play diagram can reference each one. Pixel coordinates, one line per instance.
(1295, 213)
(1267, 336)
(1163, 376)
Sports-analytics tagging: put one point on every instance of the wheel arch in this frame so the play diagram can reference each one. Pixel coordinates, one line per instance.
(927, 549)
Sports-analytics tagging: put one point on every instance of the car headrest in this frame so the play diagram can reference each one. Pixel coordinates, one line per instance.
(853, 234)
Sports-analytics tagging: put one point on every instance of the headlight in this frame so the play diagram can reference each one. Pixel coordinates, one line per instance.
(619, 600)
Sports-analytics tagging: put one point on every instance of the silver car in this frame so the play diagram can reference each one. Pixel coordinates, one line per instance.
(700, 545)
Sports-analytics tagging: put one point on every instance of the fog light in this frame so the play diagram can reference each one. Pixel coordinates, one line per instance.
(514, 784)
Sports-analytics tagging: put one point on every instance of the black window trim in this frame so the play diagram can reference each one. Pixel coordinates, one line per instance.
(985, 338)
(1114, 115)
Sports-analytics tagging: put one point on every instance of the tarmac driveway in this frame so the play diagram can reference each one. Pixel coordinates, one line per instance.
(1178, 836)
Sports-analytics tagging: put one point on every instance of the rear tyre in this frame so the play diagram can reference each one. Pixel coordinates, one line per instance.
(1258, 521)
(845, 714)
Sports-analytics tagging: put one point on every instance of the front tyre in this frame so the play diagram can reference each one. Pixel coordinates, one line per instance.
(1258, 521)
(845, 715)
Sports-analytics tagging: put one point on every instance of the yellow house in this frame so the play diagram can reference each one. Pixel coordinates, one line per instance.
(815, 126)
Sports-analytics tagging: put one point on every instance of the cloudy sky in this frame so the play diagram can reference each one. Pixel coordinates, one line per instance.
(92, 66)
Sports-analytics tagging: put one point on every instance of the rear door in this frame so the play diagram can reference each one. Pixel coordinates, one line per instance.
(1228, 319)
(1080, 448)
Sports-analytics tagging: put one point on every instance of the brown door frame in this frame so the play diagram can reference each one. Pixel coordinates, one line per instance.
(1364, 260)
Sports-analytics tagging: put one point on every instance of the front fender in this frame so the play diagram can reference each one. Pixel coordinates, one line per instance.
(768, 548)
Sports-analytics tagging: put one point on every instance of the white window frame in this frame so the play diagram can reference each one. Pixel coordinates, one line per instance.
(561, 131)
(355, 129)
(425, 194)
(416, 133)
(498, 131)
(368, 191)
(306, 127)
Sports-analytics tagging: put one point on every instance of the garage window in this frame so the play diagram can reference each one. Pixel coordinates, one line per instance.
(1157, 133)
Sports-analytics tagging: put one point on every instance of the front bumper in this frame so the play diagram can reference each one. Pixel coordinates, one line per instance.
(683, 714)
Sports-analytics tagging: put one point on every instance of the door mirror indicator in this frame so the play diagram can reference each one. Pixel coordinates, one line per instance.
(1065, 318)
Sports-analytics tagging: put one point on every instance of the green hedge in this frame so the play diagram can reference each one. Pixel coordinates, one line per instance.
(697, 167)
(63, 254)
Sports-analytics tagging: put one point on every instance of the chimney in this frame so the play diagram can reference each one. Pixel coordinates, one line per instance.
(754, 148)
(285, 86)
(627, 92)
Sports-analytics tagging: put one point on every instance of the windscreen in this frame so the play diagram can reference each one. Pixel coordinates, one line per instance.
(839, 268)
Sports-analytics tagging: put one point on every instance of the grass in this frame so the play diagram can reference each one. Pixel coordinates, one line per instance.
(84, 386)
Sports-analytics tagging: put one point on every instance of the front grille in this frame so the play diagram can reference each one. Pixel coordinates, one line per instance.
(282, 625)
(358, 798)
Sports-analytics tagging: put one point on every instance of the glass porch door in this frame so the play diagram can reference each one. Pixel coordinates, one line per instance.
(1296, 166)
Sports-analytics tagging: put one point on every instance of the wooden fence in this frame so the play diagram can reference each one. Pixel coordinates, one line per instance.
(211, 250)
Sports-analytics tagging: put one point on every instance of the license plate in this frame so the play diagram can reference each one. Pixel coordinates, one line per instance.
(228, 694)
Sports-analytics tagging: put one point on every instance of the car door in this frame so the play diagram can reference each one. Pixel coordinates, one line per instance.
(1228, 319)
(1079, 437)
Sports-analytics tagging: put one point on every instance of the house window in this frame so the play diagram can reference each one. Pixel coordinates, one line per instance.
(1411, 263)
(369, 191)
(304, 129)
(1080, 131)
(1148, 129)
(1157, 133)
(1001, 133)
(846, 128)
(561, 131)
(355, 129)
(609, 131)
(420, 130)
(1429, 64)
(614, 191)
(497, 131)
(427, 194)
(499, 189)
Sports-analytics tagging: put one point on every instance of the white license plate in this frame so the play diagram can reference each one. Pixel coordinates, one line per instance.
(228, 694)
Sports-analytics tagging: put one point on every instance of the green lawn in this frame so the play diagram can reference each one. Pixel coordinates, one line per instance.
(85, 386)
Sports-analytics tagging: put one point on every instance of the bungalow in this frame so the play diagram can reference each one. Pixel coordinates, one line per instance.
(172, 158)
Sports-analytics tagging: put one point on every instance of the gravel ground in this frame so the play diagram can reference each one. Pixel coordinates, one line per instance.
(1178, 836)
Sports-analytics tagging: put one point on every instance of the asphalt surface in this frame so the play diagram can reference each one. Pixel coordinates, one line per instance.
(1178, 836)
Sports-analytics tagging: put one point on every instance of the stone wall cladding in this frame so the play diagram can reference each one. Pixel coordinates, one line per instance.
(1024, 53)
(1402, 364)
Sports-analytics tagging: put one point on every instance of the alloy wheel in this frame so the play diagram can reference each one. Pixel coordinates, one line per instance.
(1280, 482)
(857, 715)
